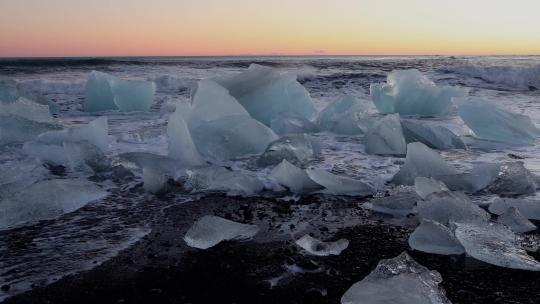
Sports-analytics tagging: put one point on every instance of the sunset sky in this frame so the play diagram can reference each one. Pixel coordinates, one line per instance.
(242, 27)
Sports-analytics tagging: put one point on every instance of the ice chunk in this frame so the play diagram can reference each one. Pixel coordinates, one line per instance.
(211, 230)
(154, 182)
(85, 156)
(291, 123)
(386, 137)
(95, 132)
(488, 121)
(397, 205)
(214, 178)
(494, 244)
(513, 179)
(27, 109)
(11, 91)
(433, 237)
(527, 207)
(425, 186)
(295, 179)
(137, 161)
(47, 200)
(344, 116)
(400, 280)
(514, 220)
(409, 92)
(106, 92)
(339, 185)
(447, 207)
(435, 137)
(231, 137)
(295, 148)
(421, 161)
(181, 145)
(18, 129)
(477, 179)
(266, 93)
(316, 247)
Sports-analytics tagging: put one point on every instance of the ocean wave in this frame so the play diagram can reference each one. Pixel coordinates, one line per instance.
(519, 78)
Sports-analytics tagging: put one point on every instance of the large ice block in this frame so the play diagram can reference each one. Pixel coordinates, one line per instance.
(529, 208)
(386, 137)
(513, 179)
(514, 220)
(400, 280)
(211, 230)
(266, 92)
(488, 121)
(295, 148)
(18, 129)
(11, 91)
(27, 109)
(478, 178)
(344, 116)
(448, 207)
(434, 237)
(435, 137)
(316, 247)
(295, 179)
(426, 186)
(339, 185)
(95, 132)
(291, 123)
(409, 92)
(495, 244)
(47, 200)
(421, 161)
(181, 145)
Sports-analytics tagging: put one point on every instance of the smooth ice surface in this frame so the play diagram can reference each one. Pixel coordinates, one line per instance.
(266, 92)
(514, 179)
(210, 230)
(47, 200)
(488, 121)
(425, 186)
(181, 145)
(291, 123)
(421, 161)
(339, 185)
(295, 148)
(386, 137)
(344, 116)
(214, 178)
(397, 205)
(514, 220)
(494, 244)
(295, 179)
(95, 132)
(435, 137)
(400, 280)
(316, 247)
(154, 182)
(434, 237)
(231, 137)
(447, 207)
(529, 208)
(106, 92)
(409, 92)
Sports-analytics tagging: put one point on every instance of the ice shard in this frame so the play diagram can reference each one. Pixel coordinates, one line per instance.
(421, 161)
(295, 179)
(386, 137)
(495, 244)
(434, 237)
(447, 207)
(479, 178)
(291, 123)
(95, 132)
(400, 280)
(409, 92)
(426, 186)
(529, 208)
(295, 148)
(181, 145)
(27, 109)
(489, 121)
(316, 247)
(211, 230)
(513, 179)
(266, 92)
(339, 185)
(514, 220)
(215, 178)
(344, 116)
(435, 137)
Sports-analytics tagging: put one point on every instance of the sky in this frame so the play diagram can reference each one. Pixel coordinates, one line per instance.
(50, 28)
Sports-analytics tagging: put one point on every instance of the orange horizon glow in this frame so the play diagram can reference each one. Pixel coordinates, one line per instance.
(80, 28)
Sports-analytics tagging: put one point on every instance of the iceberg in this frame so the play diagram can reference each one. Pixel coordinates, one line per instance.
(295, 148)
(154, 182)
(426, 186)
(490, 122)
(339, 185)
(345, 116)
(513, 179)
(11, 91)
(386, 137)
(295, 179)
(105, 92)
(47, 199)
(435, 137)
(211, 230)
(266, 93)
(181, 145)
(400, 280)
(448, 207)
(529, 208)
(291, 123)
(409, 92)
(494, 244)
(433, 237)
(398, 205)
(421, 161)
(316, 247)
(514, 220)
